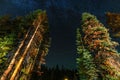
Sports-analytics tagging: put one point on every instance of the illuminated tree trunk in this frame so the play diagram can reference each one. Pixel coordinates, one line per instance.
(24, 54)
(25, 58)
(7, 71)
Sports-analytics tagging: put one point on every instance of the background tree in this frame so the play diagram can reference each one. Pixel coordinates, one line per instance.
(113, 21)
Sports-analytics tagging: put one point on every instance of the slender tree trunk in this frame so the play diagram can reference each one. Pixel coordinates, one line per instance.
(7, 71)
(25, 52)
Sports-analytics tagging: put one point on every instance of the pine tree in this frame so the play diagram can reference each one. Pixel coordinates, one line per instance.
(86, 67)
(113, 21)
(97, 40)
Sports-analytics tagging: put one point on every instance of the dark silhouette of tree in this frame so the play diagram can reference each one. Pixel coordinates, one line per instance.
(56, 73)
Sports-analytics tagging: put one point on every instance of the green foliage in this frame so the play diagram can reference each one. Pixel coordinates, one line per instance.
(30, 17)
(108, 77)
(24, 71)
(88, 16)
(86, 67)
(6, 44)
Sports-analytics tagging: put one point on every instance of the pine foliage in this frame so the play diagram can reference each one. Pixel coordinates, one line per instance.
(86, 67)
(6, 44)
(97, 41)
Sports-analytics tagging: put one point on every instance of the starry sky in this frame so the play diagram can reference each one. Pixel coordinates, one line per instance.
(64, 17)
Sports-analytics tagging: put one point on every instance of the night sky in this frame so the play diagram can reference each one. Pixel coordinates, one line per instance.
(64, 17)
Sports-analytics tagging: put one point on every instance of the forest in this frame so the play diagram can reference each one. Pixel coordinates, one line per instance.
(25, 42)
